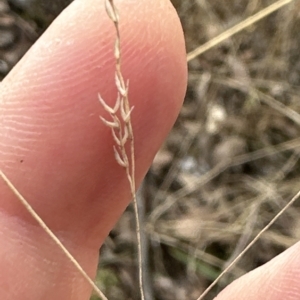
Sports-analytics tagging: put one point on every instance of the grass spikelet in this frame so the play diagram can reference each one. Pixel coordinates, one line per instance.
(121, 128)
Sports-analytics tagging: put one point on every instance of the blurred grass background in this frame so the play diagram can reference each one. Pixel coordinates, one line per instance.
(230, 163)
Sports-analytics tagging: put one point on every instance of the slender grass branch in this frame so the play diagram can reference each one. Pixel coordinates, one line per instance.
(121, 128)
(289, 204)
(52, 235)
(237, 28)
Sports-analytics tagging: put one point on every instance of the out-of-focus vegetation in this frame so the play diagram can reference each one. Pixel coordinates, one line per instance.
(21, 23)
(230, 163)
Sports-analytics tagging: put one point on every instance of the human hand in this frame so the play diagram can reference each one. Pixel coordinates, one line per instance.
(276, 280)
(56, 151)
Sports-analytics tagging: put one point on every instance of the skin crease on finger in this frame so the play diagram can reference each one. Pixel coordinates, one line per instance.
(56, 151)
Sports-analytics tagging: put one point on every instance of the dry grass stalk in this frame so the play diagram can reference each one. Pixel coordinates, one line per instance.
(52, 235)
(237, 28)
(200, 50)
(122, 133)
(121, 129)
(289, 204)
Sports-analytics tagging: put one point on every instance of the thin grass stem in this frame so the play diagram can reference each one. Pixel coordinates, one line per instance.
(52, 235)
(237, 28)
(123, 132)
(289, 204)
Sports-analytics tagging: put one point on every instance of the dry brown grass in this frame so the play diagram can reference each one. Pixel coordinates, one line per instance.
(229, 165)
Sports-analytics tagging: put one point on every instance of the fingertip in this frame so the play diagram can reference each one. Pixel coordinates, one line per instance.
(50, 110)
(54, 148)
(278, 279)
